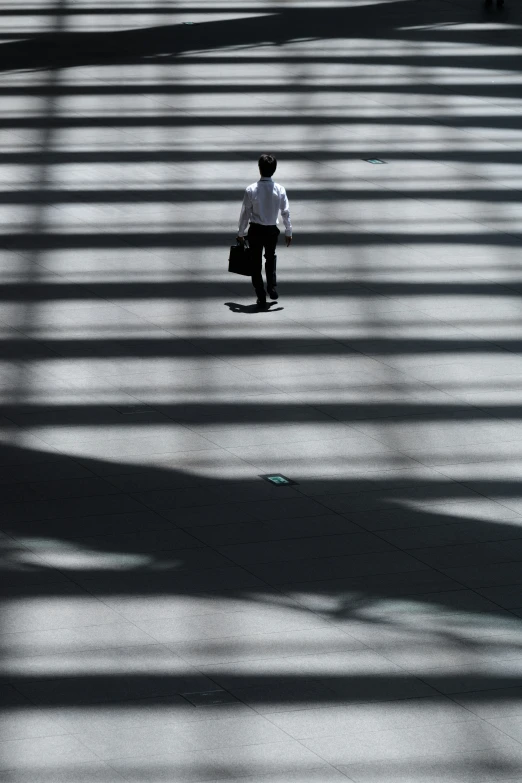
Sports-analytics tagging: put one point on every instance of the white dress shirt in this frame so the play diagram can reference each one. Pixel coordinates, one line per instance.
(262, 203)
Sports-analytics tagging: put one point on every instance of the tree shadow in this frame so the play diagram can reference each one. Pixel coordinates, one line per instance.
(340, 548)
(63, 50)
(170, 605)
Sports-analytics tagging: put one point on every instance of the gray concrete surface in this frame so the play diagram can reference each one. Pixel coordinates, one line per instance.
(166, 614)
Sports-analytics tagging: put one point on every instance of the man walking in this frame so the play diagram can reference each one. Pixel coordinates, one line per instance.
(261, 206)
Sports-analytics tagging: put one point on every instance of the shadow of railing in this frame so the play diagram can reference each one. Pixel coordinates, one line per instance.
(143, 585)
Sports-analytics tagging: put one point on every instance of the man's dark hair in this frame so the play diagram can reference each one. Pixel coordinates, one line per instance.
(267, 165)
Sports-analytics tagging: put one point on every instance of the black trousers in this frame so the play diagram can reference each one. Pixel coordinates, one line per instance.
(263, 238)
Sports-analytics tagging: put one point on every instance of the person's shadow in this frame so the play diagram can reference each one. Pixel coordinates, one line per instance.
(253, 308)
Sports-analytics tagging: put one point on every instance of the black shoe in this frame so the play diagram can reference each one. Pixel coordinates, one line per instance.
(261, 302)
(272, 293)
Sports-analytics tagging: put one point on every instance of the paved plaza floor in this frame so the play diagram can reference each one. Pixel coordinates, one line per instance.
(167, 615)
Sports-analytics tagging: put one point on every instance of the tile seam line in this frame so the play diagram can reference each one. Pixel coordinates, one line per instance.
(465, 543)
(290, 538)
(85, 516)
(211, 749)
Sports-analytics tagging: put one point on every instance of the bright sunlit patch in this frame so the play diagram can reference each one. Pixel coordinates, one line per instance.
(467, 27)
(62, 554)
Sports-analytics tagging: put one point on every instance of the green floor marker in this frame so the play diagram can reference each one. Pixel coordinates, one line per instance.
(278, 480)
(127, 410)
(204, 698)
(375, 161)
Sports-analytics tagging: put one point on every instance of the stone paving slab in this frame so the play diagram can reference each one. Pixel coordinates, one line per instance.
(168, 615)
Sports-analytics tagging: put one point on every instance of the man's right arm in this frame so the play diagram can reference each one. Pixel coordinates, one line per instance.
(245, 215)
(285, 214)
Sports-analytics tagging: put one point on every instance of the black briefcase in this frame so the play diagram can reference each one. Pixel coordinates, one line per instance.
(240, 259)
